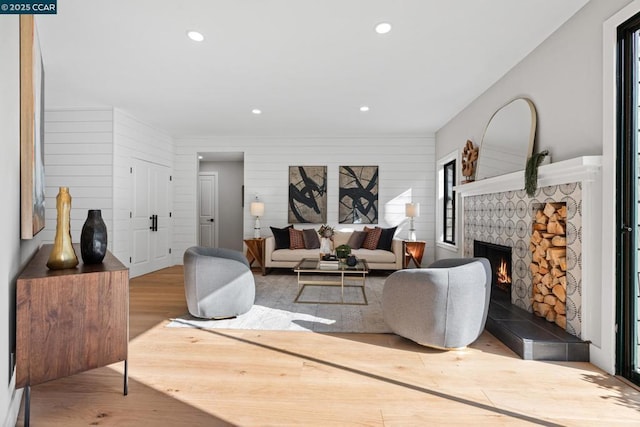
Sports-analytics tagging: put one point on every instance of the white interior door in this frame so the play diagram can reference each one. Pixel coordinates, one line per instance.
(159, 238)
(207, 212)
(150, 217)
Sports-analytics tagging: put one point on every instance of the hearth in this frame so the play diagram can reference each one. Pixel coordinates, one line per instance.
(499, 257)
(531, 337)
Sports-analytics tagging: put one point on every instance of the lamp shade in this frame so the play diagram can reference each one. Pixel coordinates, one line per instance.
(257, 208)
(412, 210)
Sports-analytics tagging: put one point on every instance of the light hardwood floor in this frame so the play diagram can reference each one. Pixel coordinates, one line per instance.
(189, 377)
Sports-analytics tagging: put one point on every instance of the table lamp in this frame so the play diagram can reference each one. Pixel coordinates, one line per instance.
(257, 210)
(412, 210)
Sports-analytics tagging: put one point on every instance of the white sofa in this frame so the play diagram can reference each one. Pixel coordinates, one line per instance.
(377, 259)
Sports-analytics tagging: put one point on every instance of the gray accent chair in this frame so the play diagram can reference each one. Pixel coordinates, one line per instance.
(218, 283)
(443, 306)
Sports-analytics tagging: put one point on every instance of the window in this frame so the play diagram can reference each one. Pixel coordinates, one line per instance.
(446, 202)
(449, 203)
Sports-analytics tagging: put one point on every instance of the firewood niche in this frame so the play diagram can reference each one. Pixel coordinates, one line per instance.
(548, 262)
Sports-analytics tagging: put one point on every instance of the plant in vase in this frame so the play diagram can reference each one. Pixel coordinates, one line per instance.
(342, 252)
(326, 235)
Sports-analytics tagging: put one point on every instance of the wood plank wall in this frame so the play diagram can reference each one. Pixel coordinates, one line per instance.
(79, 155)
(406, 170)
(90, 151)
(133, 139)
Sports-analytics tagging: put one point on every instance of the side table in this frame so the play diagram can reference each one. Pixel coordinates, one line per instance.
(413, 251)
(255, 252)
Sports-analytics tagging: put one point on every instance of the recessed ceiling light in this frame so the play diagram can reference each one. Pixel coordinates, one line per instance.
(201, 157)
(364, 108)
(256, 111)
(383, 28)
(195, 36)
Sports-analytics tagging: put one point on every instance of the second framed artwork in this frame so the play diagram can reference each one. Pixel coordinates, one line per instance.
(358, 195)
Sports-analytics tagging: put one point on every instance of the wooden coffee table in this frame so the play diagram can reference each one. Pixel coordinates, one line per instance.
(310, 267)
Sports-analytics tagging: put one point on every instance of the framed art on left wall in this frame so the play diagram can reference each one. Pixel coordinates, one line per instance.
(307, 194)
(31, 130)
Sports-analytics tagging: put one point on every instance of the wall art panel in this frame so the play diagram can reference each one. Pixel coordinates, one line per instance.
(307, 194)
(358, 195)
(31, 130)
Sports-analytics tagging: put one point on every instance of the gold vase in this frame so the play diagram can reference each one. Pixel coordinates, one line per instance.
(63, 255)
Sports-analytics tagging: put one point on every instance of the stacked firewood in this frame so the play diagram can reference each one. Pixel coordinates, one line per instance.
(549, 264)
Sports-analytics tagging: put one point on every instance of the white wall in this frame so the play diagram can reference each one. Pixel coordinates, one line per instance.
(230, 210)
(79, 154)
(132, 138)
(563, 78)
(406, 169)
(14, 253)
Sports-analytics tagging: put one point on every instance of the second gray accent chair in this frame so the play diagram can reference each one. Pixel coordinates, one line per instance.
(443, 306)
(218, 282)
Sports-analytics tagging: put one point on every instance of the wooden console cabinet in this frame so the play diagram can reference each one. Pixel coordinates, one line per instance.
(69, 321)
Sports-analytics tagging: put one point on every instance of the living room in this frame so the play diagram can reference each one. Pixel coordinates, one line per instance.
(567, 75)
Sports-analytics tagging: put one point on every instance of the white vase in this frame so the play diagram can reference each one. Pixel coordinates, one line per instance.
(325, 245)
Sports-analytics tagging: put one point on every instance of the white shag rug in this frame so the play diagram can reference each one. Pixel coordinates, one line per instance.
(275, 309)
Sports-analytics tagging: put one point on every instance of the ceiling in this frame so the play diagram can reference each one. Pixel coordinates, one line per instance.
(309, 65)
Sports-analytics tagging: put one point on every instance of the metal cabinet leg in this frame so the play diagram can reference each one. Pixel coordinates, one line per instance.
(126, 377)
(27, 405)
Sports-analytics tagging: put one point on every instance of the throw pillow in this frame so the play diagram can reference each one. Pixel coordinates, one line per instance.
(386, 238)
(281, 236)
(356, 239)
(311, 240)
(296, 239)
(373, 236)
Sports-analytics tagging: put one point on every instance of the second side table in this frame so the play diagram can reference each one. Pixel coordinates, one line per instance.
(413, 251)
(255, 252)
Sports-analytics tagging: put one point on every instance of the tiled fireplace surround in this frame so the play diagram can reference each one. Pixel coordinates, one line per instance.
(497, 210)
(506, 218)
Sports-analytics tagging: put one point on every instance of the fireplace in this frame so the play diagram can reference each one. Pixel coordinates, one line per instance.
(499, 257)
(497, 210)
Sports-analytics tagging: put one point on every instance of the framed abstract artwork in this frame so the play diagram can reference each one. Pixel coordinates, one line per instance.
(358, 195)
(31, 130)
(307, 194)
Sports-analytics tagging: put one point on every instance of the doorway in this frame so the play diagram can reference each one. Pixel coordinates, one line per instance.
(150, 217)
(228, 202)
(627, 209)
(207, 209)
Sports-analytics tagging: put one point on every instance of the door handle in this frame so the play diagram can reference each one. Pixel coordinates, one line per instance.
(154, 223)
(210, 219)
(625, 229)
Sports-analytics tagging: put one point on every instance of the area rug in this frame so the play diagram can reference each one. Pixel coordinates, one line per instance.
(275, 309)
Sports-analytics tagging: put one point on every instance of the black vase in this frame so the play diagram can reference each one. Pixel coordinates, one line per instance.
(352, 261)
(93, 240)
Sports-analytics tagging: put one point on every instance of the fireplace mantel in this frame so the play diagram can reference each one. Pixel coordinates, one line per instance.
(584, 168)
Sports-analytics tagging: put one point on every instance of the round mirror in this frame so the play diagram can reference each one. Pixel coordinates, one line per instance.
(508, 139)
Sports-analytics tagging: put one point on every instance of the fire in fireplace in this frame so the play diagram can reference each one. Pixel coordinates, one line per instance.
(499, 257)
(503, 278)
